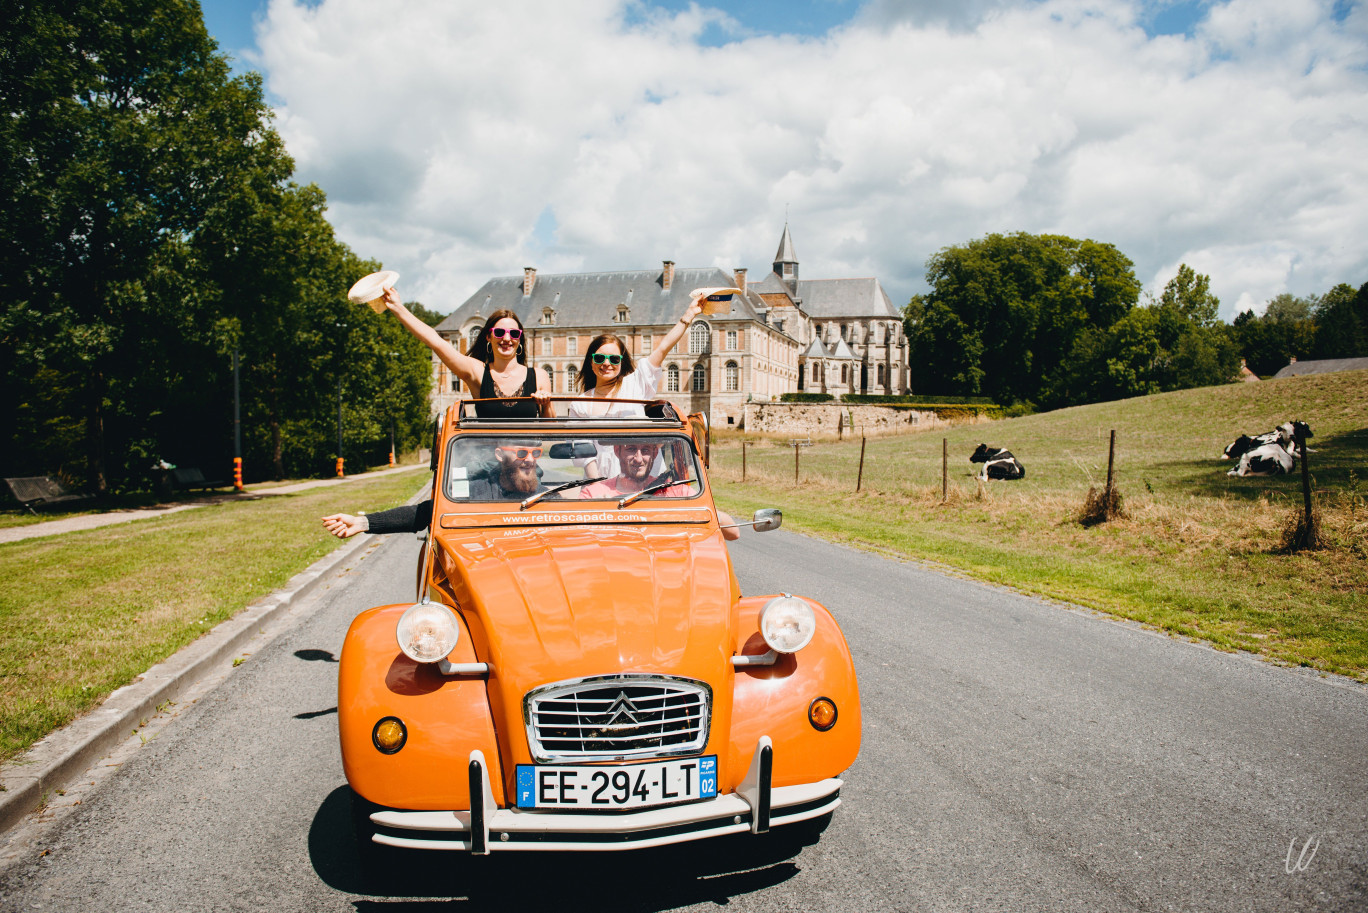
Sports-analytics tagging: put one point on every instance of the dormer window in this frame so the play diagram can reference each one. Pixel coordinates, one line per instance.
(624, 314)
(548, 317)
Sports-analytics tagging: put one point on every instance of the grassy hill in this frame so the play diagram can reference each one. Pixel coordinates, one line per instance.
(1197, 552)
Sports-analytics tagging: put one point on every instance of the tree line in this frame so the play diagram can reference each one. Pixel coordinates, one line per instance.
(149, 229)
(1052, 321)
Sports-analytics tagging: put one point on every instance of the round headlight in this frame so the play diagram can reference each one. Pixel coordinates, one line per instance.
(427, 632)
(787, 623)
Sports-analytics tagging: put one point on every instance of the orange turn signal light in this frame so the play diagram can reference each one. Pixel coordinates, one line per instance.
(822, 714)
(389, 735)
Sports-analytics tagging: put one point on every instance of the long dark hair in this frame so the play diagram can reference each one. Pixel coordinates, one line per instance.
(481, 350)
(587, 378)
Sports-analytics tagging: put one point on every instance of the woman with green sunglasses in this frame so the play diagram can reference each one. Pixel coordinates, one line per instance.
(609, 373)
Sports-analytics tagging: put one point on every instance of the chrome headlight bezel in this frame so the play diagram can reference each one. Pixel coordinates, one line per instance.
(427, 632)
(788, 623)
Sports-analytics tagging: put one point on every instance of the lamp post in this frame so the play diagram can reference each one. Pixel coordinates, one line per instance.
(237, 426)
(343, 328)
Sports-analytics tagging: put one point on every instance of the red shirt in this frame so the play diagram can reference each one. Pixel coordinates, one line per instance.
(610, 490)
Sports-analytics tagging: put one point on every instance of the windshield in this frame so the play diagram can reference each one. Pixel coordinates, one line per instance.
(568, 467)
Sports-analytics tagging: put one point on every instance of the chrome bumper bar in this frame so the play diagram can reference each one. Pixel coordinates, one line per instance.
(755, 807)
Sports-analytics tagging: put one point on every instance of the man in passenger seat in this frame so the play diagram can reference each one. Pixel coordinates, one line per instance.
(635, 458)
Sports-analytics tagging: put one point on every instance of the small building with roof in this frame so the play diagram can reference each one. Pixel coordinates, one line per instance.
(1322, 366)
(781, 335)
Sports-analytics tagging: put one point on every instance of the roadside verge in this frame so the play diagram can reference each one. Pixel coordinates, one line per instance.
(27, 781)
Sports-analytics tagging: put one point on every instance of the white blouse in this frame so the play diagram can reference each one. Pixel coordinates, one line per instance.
(640, 384)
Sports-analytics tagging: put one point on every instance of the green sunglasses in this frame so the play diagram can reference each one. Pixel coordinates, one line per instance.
(610, 359)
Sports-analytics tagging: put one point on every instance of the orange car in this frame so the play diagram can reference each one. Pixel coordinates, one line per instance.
(581, 671)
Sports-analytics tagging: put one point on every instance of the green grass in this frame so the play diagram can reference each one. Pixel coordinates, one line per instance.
(84, 613)
(1197, 552)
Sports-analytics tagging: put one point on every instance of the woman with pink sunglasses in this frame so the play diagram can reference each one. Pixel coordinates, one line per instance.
(496, 366)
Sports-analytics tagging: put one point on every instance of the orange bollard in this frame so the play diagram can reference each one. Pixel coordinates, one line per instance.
(237, 473)
(391, 457)
(339, 467)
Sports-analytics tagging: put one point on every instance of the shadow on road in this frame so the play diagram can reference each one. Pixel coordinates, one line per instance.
(640, 881)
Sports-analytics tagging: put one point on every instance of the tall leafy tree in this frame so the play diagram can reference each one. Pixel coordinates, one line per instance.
(1007, 314)
(122, 131)
(1341, 317)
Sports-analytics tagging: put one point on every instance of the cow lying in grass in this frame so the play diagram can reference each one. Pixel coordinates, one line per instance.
(1284, 436)
(1268, 460)
(997, 464)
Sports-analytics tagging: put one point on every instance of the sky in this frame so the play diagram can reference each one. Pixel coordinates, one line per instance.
(460, 140)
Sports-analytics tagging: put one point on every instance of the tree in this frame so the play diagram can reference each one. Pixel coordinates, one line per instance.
(1341, 317)
(1006, 314)
(122, 132)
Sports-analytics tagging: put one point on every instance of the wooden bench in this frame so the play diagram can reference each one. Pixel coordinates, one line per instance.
(189, 479)
(43, 491)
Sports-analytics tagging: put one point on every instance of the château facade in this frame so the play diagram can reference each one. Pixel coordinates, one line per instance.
(782, 334)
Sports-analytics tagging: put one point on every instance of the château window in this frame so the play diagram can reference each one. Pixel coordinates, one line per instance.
(672, 379)
(548, 317)
(731, 379)
(700, 379)
(572, 345)
(731, 340)
(623, 314)
(550, 377)
(700, 338)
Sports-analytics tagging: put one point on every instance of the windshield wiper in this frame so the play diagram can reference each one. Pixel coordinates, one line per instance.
(561, 487)
(653, 489)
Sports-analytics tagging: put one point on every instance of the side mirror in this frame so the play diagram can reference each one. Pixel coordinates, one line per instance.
(766, 519)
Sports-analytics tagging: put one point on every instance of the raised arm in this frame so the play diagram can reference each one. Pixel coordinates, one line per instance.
(463, 366)
(675, 333)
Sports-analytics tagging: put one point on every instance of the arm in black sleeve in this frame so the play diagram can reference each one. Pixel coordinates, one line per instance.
(410, 518)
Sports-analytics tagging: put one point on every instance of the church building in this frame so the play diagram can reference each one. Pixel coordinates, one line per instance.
(782, 334)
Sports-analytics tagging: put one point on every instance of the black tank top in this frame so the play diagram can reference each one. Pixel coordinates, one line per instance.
(497, 407)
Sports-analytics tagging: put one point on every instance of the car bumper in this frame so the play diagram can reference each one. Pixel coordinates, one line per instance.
(516, 829)
(755, 806)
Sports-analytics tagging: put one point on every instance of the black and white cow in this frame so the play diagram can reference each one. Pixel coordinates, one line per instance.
(1284, 435)
(997, 463)
(1268, 460)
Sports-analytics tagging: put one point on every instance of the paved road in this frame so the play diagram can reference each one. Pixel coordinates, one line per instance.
(1018, 756)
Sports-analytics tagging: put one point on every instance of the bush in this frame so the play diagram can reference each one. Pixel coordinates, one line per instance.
(806, 398)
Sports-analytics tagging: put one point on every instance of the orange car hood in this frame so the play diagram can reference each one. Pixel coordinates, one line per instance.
(554, 603)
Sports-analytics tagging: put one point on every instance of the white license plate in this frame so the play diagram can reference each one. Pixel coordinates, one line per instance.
(589, 788)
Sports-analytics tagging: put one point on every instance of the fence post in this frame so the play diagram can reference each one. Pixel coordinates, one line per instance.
(1311, 537)
(945, 470)
(796, 450)
(840, 424)
(860, 477)
(743, 461)
(1111, 461)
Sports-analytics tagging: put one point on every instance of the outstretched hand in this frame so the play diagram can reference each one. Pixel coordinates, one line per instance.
(344, 526)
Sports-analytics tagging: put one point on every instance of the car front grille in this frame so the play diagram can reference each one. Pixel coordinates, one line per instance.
(615, 717)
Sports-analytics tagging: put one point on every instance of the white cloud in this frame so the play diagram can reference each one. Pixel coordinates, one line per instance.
(445, 132)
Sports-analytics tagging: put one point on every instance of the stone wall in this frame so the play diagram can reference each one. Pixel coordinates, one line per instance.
(820, 420)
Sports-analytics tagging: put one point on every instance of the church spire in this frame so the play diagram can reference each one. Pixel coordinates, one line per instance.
(786, 262)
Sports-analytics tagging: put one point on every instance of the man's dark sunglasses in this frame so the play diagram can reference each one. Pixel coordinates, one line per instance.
(522, 453)
(600, 358)
(500, 333)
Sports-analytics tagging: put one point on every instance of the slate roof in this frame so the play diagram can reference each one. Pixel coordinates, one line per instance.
(785, 253)
(816, 350)
(1324, 366)
(592, 299)
(828, 298)
(841, 350)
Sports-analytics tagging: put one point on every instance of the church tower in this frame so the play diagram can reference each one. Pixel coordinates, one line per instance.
(786, 263)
